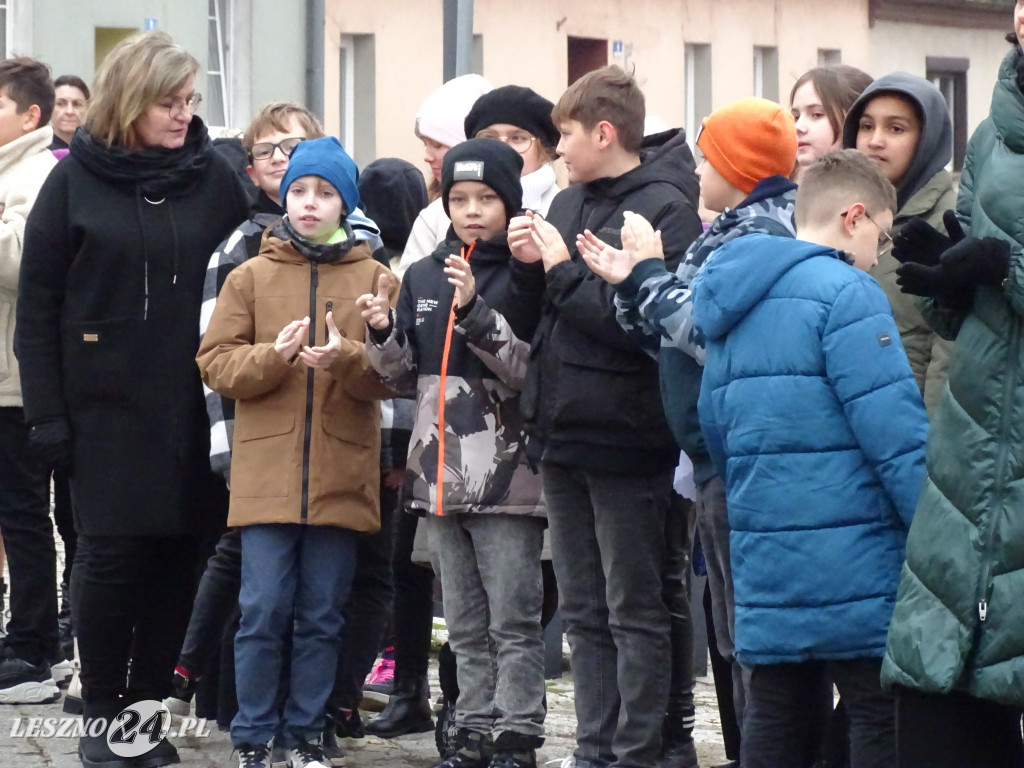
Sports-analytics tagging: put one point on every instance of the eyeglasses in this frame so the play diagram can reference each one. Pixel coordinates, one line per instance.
(177, 107)
(884, 238)
(520, 142)
(265, 149)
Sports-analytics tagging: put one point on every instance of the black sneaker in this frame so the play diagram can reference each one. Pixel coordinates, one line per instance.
(24, 683)
(348, 724)
(253, 756)
(279, 757)
(333, 752)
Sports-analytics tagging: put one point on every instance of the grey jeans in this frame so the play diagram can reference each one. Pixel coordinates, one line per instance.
(713, 527)
(608, 550)
(491, 582)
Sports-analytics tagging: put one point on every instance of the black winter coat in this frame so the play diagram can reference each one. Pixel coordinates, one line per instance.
(591, 397)
(108, 327)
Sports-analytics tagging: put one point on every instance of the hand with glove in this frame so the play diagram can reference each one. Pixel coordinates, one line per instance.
(919, 242)
(50, 441)
(965, 263)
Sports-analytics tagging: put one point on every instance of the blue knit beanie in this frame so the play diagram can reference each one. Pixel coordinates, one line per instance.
(327, 159)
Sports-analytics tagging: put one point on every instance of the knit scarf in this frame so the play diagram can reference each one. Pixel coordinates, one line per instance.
(155, 172)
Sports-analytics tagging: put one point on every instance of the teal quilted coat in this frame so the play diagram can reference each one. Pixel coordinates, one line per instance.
(959, 617)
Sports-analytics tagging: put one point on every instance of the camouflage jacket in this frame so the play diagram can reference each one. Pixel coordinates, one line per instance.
(476, 427)
(654, 306)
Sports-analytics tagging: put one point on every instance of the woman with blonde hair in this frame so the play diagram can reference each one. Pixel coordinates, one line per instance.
(111, 283)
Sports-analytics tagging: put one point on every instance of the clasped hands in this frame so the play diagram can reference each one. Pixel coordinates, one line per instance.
(947, 268)
(289, 344)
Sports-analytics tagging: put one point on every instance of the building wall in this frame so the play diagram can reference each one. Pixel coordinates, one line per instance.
(526, 43)
(63, 34)
(905, 47)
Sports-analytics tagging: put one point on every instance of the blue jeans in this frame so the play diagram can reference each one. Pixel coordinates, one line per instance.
(608, 550)
(299, 573)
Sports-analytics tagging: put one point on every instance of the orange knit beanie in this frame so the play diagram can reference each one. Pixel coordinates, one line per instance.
(749, 140)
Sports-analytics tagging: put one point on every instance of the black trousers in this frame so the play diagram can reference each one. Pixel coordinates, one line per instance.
(215, 603)
(28, 538)
(956, 730)
(63, 516)
(679, 717)
(413, 615)
(788, 707)
(131, 597)
(369, 608)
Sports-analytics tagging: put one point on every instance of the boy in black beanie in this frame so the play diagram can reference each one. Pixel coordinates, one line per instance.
(458, 330)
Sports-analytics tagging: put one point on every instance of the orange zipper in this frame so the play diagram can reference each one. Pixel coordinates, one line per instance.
(443, 384)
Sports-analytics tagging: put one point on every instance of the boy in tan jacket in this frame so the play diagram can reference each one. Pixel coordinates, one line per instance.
(305, 464)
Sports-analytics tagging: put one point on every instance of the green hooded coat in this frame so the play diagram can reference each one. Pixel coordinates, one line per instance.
(958, 623)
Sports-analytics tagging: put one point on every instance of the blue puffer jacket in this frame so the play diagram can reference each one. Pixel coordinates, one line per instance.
(812, 415)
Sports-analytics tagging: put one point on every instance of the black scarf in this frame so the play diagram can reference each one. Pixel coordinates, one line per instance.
(155, 172)
(319, 253)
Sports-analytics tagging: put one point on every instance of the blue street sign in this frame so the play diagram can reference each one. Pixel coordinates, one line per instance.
(150, 24)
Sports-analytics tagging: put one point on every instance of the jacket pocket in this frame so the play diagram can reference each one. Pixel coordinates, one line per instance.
(263, 454)
(99, 362)
(599, 386)
(351, 426)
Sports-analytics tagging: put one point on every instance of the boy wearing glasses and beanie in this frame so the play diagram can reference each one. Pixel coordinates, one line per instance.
(521, 118)
(306, 458)
(812, 416)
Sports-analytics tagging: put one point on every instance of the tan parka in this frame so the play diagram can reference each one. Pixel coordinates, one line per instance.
(306, 442)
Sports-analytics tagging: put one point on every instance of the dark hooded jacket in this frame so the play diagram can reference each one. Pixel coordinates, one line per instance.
(108, 326)
(474, 429)
(926, 191)
(392, 193)
(591, 396)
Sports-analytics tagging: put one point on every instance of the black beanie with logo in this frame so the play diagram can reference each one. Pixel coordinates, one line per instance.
(489, 162)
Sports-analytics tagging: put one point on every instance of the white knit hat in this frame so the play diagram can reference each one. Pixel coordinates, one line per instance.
(444, 111)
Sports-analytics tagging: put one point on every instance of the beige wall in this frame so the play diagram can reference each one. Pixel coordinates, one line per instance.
(526, 43)
(904, 47)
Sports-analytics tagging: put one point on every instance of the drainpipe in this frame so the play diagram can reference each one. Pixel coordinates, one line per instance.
(316, 22)
(458, 38)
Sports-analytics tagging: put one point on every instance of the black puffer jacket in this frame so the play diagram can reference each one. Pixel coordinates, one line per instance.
(591, 396)
(116, 249)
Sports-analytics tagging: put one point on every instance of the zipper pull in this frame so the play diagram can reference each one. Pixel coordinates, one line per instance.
(983, 609)
(327, 334)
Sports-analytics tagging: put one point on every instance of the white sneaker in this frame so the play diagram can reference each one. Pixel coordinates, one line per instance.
(62, 671)
(254, 756)
(306, 755)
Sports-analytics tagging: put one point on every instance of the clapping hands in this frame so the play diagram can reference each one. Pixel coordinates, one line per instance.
(640, 242)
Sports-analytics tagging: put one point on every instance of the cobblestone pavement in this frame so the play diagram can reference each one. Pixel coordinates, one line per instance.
(415, 751)
(18, 749)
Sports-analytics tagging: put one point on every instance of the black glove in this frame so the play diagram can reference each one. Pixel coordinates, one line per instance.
(923, 280)
(978, 262)
(50, 441)
(918, 241)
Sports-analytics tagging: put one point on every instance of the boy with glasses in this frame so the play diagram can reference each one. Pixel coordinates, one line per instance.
(813, 418)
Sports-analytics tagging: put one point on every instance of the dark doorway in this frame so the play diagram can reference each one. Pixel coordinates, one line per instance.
(585, 55)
